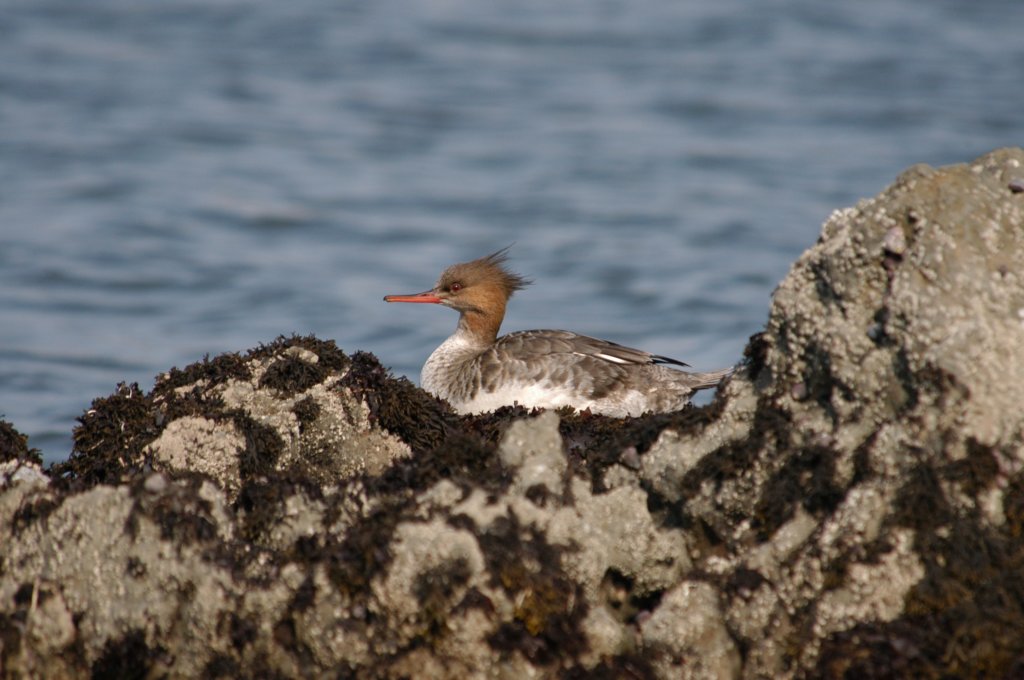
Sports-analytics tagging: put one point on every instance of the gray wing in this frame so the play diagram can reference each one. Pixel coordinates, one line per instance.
(594, 367)
(533, 344)
(589, 366)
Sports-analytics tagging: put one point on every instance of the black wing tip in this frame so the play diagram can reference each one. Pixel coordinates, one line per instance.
(659, 359)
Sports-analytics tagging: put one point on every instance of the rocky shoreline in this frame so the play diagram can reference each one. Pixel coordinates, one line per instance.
(850, 505)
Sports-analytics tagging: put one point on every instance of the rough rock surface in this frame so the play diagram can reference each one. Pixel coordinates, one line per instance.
(851, 505)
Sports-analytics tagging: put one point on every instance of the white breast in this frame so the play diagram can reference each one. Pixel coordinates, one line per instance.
(632, 403)
(443, 364)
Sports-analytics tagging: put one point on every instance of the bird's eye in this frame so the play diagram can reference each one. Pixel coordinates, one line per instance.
(455, 287)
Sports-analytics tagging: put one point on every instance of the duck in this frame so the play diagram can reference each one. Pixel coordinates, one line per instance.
(477, 371)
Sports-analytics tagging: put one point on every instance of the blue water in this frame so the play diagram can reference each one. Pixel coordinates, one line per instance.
(184, 178)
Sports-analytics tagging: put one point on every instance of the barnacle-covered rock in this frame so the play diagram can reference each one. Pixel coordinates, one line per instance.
(851, 504)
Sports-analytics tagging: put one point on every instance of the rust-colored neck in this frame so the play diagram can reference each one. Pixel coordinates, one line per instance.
(483, 323)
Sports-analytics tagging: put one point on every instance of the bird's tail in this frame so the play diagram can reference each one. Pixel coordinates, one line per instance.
(703, 381)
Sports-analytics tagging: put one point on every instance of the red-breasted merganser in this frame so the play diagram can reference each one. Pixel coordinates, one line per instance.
(474, 370)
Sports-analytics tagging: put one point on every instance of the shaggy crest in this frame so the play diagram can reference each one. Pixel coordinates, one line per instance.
(489, 268)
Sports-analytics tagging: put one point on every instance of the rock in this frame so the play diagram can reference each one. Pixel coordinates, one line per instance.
(852, 503)
(859, 522)
(687, 634)
(25, 472)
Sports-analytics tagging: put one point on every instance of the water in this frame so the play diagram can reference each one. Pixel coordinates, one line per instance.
(184, 178)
